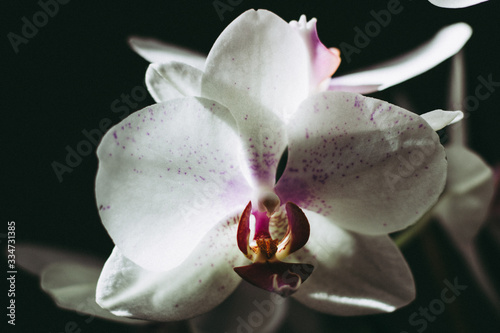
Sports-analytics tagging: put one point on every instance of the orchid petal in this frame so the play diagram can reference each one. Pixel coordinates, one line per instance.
(468, 195)
(72, 286)
(68, 277)
(439, 119)
(354, 274)
(279, 277)
(233, 313)
(198, 285)
(35, 258)
(167, 174)
(248, 71)
(370, 166)
(252, 58)
(442, 46)
(155, 51)
(173, 80)
(455, 3)
(324, 62)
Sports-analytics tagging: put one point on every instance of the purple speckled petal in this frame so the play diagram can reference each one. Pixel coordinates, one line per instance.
(198, 285)
(259, 69)
(455, 3)
(167, 174)
(155, 51)
(324, 62)
(370, 166)
(354, 274)
(173, 80)
(447, 42)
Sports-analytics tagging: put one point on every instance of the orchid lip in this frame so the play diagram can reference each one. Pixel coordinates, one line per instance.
(281, 278)
(268, 271)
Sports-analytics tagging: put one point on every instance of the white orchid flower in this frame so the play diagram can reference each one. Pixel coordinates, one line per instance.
(185, 185)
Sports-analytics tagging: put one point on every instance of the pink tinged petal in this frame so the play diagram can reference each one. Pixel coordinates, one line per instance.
(278, 277)
(173, 80)
(72, 285)
(354, 274)
(455, 3)
(155, 51)
(447, 42)
(439, 119)
(324, 62)
(297, 234)
(167, 175)
(261, 225)
(468, 195)
(258, 69)
(198, 285)
(367, 165)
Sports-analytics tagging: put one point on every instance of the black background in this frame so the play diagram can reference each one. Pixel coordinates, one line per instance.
(65, 78)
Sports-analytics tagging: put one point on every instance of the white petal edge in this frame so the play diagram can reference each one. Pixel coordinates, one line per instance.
(439, 119)
(173, 80)
(354, 274)
(156, 51)
(455, 3)
(199, 284)
(447, 42)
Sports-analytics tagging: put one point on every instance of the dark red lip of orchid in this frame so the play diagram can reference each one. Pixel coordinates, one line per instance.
(267, 271)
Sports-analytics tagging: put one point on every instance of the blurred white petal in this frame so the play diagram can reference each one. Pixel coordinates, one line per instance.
(69, 278)
(155, 51)
(442, 46)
